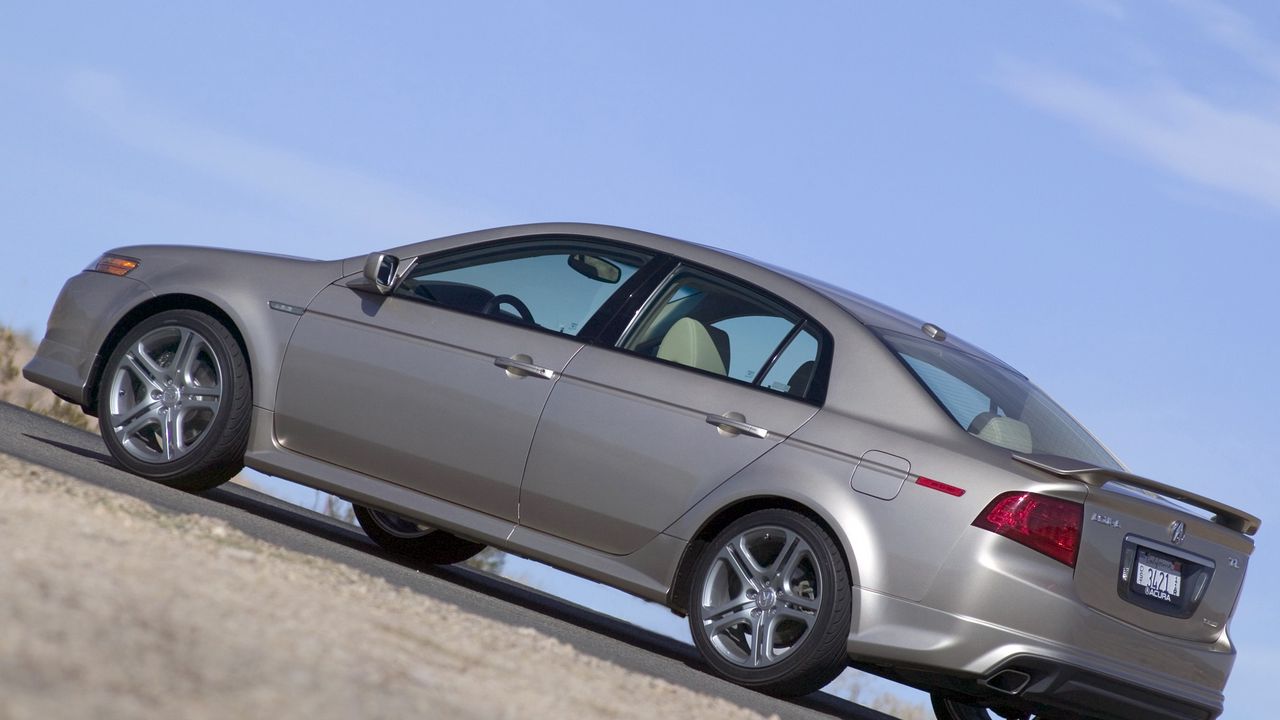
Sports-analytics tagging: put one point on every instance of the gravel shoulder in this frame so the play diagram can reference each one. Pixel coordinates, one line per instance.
(118, 609)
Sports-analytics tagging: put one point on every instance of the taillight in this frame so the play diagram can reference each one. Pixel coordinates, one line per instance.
(1042, 523)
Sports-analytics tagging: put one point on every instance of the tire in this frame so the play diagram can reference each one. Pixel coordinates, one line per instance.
(406, 538)
(779, 572)
(174, 401)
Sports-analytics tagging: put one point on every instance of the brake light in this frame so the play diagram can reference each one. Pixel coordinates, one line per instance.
(1045, 524)
(114, 265)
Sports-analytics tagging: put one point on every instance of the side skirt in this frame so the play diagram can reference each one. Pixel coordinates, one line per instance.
(647, 572)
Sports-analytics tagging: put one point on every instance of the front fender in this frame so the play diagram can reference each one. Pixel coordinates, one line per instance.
(241, 284)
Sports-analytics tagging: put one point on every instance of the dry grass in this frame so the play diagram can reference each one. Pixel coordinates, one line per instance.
(15, 350)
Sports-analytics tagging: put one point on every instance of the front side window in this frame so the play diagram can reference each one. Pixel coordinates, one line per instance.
(705, 323)
(996, 404)
(552, 285)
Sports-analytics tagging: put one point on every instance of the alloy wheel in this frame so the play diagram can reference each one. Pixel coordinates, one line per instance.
(761, 597)
(165, 393)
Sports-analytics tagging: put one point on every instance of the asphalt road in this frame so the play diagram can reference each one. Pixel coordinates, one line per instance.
(79, 454)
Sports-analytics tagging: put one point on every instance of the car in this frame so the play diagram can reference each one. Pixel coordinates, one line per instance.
(815, 480)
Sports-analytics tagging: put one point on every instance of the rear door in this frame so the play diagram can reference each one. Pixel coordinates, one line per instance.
(711, 376)
(439, 386)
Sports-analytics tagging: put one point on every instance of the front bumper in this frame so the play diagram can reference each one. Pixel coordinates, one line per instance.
(88, 307)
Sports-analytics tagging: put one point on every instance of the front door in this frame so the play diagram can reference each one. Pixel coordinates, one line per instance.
(439, 386)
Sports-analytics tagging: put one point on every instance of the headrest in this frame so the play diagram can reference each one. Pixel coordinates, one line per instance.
(1006, 432)
(689, 343)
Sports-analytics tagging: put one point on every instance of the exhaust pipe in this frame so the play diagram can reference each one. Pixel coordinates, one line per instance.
(1009, 682)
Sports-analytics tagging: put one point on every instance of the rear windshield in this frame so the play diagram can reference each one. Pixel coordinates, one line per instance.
(996, 404)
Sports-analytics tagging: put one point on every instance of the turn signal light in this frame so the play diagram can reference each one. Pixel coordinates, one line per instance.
(114, 265)
(1045, 524)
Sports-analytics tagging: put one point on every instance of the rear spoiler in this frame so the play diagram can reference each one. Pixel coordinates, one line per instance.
(1224, 515)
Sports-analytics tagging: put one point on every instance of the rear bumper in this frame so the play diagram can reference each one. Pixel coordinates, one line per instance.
(959, 655)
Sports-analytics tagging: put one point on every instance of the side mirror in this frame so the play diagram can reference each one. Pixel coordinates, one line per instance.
(596, 268)
(380, 272)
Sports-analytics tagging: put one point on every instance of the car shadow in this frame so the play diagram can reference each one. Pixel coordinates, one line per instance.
(101, 457)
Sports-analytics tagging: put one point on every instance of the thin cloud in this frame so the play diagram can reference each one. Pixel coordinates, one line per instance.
(356, 200)
(1189, 135)
(1232, 147)
(1233, 31)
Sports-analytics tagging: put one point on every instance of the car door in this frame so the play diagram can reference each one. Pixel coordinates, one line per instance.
(710, 377)
(438, 386)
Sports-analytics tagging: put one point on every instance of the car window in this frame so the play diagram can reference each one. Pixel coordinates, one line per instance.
(792, 373)
(964, 401)
(708, 324)
(994, 403)
(556, 286)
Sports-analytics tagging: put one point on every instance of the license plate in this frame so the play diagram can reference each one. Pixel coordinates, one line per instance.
(1158, 576)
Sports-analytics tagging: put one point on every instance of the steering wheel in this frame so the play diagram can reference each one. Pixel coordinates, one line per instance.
(497, 301)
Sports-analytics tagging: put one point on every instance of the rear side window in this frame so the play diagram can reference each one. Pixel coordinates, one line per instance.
(717, 327)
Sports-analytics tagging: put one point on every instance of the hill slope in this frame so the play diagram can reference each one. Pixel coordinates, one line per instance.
(117, 609)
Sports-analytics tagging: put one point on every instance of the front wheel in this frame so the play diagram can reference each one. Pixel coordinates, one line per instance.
(413, 540)
(770, 603)
(174, 401)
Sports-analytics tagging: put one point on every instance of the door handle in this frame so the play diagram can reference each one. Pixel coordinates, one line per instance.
(522, 366)
(734, 423)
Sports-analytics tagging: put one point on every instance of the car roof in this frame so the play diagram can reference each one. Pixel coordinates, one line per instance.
(865, 310)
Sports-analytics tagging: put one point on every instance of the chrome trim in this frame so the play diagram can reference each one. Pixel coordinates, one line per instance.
(285, 307)
(522, 366)
(735, 423)
(625, 337)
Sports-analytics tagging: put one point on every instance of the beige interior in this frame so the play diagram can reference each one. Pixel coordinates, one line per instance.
(689, 343)
(1007, 433)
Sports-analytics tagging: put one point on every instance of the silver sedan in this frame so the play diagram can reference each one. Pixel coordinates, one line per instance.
(814, 479)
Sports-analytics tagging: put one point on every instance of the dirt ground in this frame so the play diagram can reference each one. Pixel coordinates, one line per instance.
(113, 609)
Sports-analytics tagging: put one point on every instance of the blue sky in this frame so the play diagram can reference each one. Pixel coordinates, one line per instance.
(1090, 190)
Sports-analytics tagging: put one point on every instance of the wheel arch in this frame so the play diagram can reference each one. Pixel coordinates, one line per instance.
(678, 595)
(146, 309)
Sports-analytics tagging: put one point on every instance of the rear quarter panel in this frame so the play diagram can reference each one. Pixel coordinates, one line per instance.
(895, 546)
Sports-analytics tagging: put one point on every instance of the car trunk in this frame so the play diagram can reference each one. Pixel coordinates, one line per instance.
(1148, 561)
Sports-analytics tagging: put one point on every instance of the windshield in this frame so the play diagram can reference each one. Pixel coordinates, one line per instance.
(996, 404)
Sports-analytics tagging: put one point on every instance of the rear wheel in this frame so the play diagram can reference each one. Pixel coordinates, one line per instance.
(770, 607)
(174, 401)
(406, 537)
